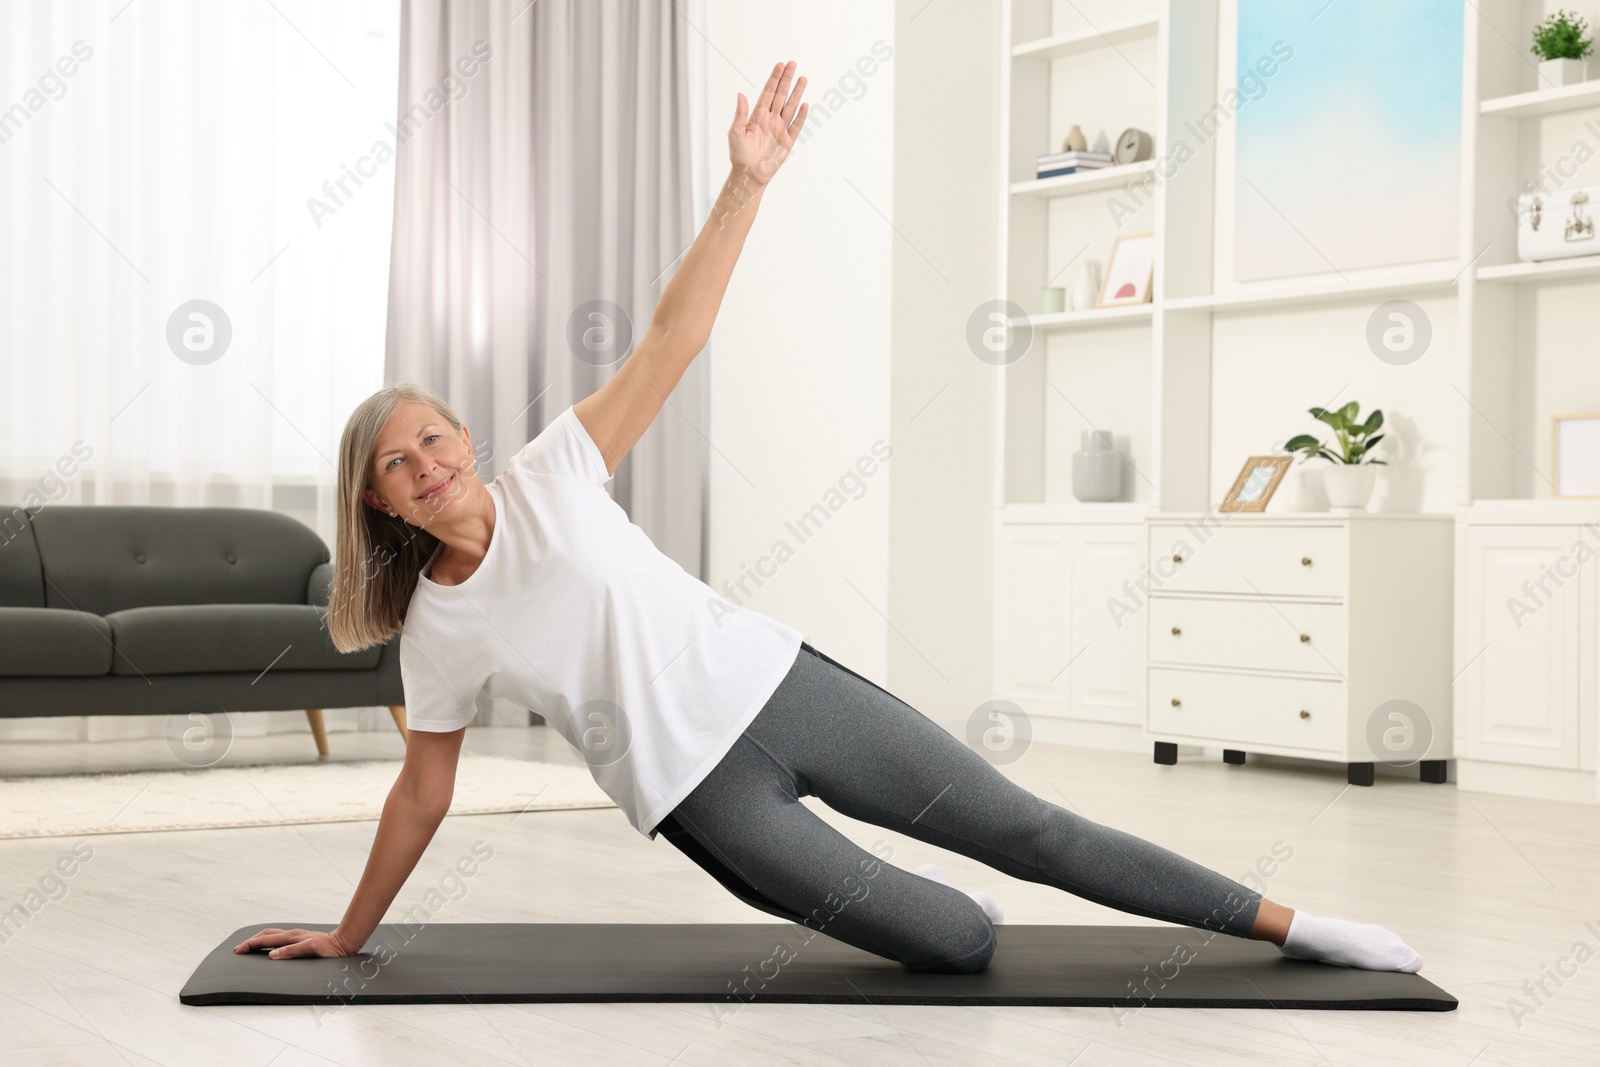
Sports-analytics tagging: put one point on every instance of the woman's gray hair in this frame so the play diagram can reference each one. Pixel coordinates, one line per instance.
(377, 556)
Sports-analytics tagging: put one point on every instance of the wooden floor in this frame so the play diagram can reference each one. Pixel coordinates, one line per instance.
(1493, 891)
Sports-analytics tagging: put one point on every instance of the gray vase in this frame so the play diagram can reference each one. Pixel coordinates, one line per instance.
(1096, 467)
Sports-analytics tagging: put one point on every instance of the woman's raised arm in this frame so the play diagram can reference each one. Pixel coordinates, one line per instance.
(617, 414)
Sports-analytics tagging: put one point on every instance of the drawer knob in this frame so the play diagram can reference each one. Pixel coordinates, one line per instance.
(1305, 561)
(1176, 702)
(1177, 557)
(1304, 714)
(1176, 631)
(1305, 639)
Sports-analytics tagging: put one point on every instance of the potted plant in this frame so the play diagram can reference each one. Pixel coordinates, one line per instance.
(1349, 479)
(1559, 41)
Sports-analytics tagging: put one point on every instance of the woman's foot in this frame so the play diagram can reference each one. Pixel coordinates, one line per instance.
(990, 906)
(1363, 945)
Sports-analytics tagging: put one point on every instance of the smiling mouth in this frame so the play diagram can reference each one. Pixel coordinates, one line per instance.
(437, 489)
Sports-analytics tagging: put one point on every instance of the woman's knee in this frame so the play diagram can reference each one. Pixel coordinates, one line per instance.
(963, 947)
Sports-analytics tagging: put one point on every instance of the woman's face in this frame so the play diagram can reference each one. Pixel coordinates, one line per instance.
(421, 471)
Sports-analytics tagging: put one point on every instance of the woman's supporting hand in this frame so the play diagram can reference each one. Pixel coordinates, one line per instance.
(760, 141)
(287, 944)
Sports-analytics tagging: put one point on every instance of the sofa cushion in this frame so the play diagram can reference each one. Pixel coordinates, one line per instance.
(320, 586)
(52, 641)
(109, 558)
(209, 638)
(21, 574)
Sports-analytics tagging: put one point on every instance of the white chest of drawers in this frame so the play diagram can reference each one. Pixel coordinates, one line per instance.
(1323, 635)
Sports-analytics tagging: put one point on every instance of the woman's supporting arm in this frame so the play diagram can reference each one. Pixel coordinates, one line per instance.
(417, 803)
(618, 413)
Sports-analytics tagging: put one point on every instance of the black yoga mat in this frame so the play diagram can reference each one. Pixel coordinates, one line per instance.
(1128, 967)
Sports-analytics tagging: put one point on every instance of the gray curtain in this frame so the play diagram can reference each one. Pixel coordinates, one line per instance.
(545, 164)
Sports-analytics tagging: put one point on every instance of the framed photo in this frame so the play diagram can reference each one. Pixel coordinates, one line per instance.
(1129, 271)
(1258, 479)
(1575, 454)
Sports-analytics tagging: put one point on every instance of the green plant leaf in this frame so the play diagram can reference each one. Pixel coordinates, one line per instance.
(1369, 442)
(1374, 420)
(1562, 36)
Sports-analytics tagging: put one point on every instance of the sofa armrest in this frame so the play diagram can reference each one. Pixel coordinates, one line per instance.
(320, 586)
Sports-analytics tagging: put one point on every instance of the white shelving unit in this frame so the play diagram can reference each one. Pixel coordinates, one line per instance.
(1522, 347)
(1058, 653)
(1525, 694)
(1038, 216)
(1523, 357)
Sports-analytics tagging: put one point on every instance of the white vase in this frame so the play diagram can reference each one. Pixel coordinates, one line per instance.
(1554, 73)
(1087, 289)
(1349, 485)
(1298, 496)
(1096, 467)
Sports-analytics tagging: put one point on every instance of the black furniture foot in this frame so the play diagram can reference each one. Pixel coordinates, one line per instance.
(1433, 770)
(1232, 755)
(1166, 752)
(1359, 773)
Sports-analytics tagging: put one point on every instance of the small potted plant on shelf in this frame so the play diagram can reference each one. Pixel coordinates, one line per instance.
(1560, 42)
(1349, 479)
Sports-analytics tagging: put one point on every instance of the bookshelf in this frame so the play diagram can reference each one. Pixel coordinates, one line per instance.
(1505, 329)
(1526, 328)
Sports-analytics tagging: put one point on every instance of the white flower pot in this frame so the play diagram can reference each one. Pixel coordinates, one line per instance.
(1554, 73)
(1297, 495)
(1349, 485)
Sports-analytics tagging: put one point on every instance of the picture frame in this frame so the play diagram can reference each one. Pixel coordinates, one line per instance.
(1258, 479)
(1575, 455)
(1129, 271)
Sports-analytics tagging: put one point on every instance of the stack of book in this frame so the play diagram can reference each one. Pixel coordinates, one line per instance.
(1052, 164)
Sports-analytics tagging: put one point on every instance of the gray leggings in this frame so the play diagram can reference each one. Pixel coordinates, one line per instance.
(829, 733)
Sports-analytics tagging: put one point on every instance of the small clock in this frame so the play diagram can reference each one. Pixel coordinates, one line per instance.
(1134, 146)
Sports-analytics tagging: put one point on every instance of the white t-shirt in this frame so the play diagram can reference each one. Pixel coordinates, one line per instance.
(644, 669)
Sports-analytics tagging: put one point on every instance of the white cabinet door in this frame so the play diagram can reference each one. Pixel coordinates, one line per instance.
(1519, 690)
(1107, 641)
(1031, 619)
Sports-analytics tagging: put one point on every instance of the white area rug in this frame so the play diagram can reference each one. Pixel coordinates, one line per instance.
(279, 794)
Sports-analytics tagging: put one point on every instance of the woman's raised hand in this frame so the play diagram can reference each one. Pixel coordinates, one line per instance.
(286, 944)
(760, 140)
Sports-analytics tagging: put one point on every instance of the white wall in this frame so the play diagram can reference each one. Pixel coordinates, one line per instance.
(799, 356)
(941, 524)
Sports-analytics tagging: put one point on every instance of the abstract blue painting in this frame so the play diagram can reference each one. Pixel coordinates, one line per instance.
(1350, 158)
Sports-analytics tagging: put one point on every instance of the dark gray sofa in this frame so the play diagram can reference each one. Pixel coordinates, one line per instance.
(138, 610)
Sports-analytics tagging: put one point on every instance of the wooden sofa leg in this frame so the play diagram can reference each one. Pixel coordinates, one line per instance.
(399, 713)
(319, 730)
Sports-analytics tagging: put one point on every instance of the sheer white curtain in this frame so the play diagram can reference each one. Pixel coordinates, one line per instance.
(155, 154)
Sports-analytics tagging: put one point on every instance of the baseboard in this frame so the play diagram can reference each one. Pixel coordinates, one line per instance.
(1536, 783)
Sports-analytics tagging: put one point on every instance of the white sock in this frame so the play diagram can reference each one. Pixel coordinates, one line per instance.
(990, 906)
(1363, 945)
